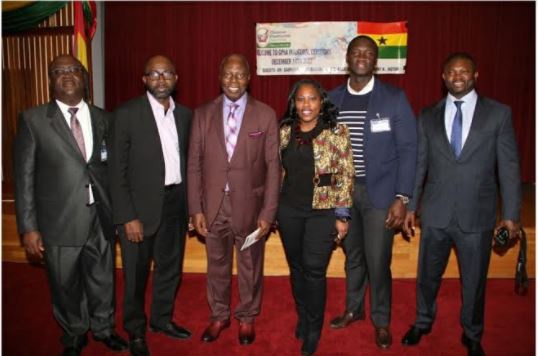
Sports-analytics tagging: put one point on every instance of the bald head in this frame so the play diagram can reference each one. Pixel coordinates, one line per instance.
(158, 60)
(234, 76)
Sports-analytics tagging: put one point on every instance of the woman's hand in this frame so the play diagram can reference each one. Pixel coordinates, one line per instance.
(341, 230)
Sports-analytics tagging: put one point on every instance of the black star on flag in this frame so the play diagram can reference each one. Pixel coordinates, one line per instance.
(382, 40)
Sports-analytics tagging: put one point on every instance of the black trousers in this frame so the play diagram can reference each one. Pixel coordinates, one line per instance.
(473, 253)
(308, 244)
(166, 248)
(81, 280)
(368, 249)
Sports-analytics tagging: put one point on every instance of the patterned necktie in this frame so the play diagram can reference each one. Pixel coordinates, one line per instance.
(77, 131)
(455, 136)
(231, 136)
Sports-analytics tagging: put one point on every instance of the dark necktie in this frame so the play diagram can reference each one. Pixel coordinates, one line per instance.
(77, 131)
(456, 135)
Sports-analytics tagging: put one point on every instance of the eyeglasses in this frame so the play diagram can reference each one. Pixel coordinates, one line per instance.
(155, 75)
(64, 71)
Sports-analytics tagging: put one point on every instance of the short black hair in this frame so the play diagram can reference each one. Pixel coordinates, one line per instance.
(362, 37)
(459, 55)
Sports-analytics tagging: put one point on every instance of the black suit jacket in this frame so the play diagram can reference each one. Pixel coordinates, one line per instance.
(137, 163)
(51, 177)
(466, 188)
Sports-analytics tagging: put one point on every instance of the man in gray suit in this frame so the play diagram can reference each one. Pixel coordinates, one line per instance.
(466, 148)
(63, 207)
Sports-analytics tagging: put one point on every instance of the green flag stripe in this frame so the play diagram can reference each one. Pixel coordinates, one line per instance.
(392, 52)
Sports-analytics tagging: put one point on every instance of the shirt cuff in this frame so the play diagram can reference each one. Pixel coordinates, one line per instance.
(342, 212)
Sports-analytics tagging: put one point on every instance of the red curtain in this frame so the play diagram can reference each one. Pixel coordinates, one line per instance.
(500, 35)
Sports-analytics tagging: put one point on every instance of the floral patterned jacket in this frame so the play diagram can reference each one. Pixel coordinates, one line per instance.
(332, 154)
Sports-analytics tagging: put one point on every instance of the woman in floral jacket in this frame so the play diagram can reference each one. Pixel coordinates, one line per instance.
(315, 200)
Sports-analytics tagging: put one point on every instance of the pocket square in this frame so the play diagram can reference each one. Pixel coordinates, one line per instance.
(255, 134)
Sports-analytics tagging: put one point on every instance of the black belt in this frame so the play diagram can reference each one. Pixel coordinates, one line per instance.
(170, 187)
(324, 180)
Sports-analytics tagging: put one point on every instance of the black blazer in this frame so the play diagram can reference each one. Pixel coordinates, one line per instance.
(51, 177)
(137, 162)
(467, 187)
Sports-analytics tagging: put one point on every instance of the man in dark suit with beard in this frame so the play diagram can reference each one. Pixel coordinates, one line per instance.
(148, 188)
(63, 207)
(466, 148)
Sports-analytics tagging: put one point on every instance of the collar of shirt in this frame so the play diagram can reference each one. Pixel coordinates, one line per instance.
(158, 108)
(467, 110)
(64, 108)
(242, 102)
(367, 88)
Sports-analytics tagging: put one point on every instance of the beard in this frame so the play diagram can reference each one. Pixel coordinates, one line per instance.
(162, 93)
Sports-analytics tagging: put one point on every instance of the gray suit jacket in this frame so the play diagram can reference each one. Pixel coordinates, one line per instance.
(137, 162)
(466, 188)
(51, 177)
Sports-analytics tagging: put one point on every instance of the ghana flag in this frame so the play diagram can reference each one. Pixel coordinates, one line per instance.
(391, 39)
(85, 26)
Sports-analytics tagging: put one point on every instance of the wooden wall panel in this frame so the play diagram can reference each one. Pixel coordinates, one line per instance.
(25, 59)
(404, 260)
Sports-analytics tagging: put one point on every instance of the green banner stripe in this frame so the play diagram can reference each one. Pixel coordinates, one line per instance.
(392, 52)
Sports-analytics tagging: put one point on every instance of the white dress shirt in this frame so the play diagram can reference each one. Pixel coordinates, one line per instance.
(166, 125)
(467, 110)
(83, 116)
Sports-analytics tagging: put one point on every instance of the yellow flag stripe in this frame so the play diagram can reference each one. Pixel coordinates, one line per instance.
(388, 39)
(82, 54)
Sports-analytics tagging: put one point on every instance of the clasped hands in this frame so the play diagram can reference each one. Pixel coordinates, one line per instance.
(200, 225)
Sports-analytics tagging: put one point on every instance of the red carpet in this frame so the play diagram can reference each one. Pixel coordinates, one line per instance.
(28, 327)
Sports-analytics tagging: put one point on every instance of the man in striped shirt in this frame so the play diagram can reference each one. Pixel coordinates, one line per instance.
(384, 142)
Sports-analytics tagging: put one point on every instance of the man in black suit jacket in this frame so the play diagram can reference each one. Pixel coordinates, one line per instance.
(148, 158)
(466, 148)
(63, 207)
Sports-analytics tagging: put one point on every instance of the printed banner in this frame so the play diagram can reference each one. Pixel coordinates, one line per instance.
(312, 48)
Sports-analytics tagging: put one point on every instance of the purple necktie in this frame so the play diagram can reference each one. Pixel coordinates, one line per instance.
(77, 131)
(231, 137)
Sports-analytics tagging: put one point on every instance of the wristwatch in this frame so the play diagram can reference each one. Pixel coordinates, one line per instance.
(343, 219)
(403, 198)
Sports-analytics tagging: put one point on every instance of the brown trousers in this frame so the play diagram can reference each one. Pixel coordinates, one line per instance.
(220, 244)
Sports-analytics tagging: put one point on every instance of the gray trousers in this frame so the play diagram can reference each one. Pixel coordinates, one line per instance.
(81, 280)
(473, 252)
(368, 249)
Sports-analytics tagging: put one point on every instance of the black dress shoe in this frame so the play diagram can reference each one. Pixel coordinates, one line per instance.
(114, 342)
(473, 347)
(71, 351)
(413, 335)
(383, 338)
(310, 344)
(172, 330)
(138, 346)
(78, 344)
(345, 319)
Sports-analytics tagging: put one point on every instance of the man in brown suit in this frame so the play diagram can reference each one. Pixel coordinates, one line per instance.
(234, 180)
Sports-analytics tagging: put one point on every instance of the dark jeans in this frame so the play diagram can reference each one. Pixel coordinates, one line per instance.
(308, 244)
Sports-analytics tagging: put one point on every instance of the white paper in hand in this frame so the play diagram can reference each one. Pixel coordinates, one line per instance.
(251, 239)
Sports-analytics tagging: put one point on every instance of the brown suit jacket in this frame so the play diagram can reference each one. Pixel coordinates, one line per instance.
(253, 174)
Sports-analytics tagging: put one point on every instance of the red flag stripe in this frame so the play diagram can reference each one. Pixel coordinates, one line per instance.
(381, 27)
